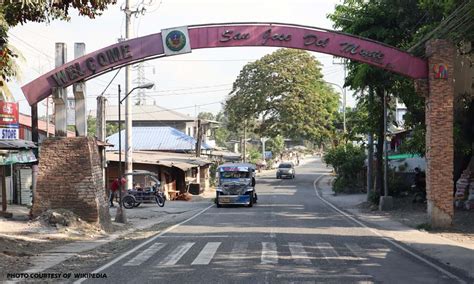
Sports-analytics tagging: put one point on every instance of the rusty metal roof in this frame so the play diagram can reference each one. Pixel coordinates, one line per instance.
(181, 161)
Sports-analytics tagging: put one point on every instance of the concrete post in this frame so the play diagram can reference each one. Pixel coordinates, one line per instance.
(60, 95)
(101, 132)
(439, 132)
(79, 90)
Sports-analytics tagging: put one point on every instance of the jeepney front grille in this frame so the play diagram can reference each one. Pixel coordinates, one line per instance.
(234, 189)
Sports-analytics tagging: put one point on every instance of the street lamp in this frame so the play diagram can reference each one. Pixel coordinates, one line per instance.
(120, 215)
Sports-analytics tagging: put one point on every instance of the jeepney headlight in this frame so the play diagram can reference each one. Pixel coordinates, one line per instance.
(219, 189)
(290, 171)
(249, 189)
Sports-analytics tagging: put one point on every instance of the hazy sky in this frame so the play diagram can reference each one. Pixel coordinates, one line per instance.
(189, 83)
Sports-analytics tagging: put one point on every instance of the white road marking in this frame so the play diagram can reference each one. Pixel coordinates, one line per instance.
(237, 255)
(176, 255)
(376, 232)
(107, 265)
(207, 253)
(269, 253)
(328, 252)
(196, 236)
(298, 253)
(357, 251)
(144, 255)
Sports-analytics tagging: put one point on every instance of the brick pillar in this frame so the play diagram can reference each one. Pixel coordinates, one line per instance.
(70, 177)
(439, 132)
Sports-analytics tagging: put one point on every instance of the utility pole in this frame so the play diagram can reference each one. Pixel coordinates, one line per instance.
(386, 202)
(101, 132)
(128, 101)
(198, 138)
(370, 151)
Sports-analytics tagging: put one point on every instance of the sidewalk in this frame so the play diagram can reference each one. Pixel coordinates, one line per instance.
(38, 247)
(456, 254)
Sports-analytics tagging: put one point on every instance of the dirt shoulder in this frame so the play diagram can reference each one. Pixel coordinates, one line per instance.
(22, 239)
(415, 215)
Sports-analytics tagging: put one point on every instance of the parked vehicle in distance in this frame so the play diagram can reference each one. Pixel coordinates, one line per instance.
(285, 169)
(236, 184)
(147, 188)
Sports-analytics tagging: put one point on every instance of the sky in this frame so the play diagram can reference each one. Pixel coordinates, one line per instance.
(190, 83)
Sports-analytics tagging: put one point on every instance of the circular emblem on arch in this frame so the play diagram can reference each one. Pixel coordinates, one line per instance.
(175, 40)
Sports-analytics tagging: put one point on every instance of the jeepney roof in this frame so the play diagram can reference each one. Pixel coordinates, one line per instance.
(237, 167)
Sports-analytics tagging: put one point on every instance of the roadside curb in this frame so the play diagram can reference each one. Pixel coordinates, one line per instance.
(420, 243)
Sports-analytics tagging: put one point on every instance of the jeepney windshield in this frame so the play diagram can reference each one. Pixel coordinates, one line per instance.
(229, 175)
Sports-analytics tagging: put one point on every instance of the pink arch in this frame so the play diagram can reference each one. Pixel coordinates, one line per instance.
(228, 35)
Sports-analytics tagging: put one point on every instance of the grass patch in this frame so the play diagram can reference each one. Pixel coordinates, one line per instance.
(424, 226)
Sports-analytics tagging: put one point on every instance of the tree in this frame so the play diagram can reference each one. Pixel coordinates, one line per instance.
(404, 24)
(110, 127)
(282, 94)
(276, 145)
(206, 116)
(14, 12)
(386, 21)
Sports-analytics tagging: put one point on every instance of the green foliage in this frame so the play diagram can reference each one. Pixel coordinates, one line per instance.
(282, 94)
(276, 145)
(374, 197)
(206, 115)
(415, 143)
(424, 227)
(253, 154)
(348, 162)
(110, 128)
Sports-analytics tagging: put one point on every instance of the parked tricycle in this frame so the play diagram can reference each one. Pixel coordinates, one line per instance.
(151, 191)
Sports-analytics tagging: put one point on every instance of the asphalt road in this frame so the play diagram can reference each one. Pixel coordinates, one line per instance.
(289, 236)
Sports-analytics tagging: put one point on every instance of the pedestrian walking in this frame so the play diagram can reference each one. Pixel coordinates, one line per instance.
(114, 187)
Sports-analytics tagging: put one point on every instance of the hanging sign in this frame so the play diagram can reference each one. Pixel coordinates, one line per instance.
(9, 114)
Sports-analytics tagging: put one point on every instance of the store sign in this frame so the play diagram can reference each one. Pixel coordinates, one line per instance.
(9, 114)
(9, 133)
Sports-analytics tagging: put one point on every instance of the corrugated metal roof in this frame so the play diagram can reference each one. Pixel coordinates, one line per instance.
(157, 139)
(16, 144)
(181, 161)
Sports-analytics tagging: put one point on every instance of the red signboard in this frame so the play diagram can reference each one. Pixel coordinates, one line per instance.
(9, 114)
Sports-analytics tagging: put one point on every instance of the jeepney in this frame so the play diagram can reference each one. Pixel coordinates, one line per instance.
(236, 184)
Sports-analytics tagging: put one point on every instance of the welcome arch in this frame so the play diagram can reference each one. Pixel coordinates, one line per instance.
(436, 86)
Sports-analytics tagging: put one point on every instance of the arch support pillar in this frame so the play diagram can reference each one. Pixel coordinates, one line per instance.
(439, 132)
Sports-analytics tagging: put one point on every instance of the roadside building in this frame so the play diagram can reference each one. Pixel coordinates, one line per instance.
(157, 116)
(167, 152)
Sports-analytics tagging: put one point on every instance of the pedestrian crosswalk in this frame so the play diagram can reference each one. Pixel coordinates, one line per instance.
(265, 253)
